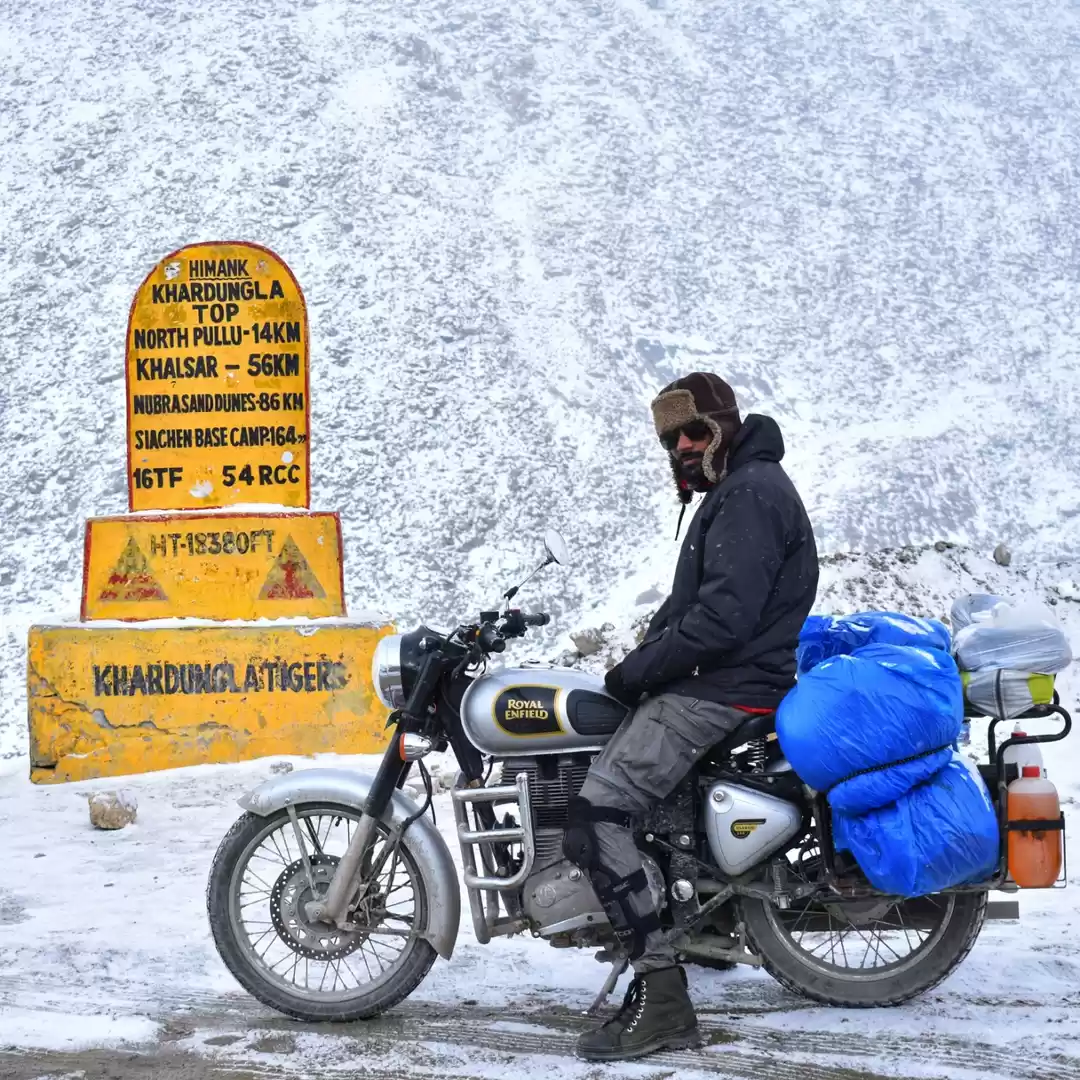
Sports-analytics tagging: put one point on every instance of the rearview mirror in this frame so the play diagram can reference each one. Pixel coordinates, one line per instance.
(556, 548)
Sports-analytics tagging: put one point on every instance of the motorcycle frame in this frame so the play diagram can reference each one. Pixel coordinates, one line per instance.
(480, 887)
(484, 889)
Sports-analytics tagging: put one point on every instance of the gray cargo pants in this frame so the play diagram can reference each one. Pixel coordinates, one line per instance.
(654, 748)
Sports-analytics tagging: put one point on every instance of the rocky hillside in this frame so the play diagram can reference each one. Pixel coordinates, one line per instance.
(915, 580)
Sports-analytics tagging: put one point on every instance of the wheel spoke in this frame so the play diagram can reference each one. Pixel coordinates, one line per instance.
(316, 843)
(803, 915)
(881, 938)
(268, 889)
(258, 941)
(825, 943)
(329, 829)
(868, 942)
(266, 855)
(273, 838)
(270, 945)
(345, 961)
(374, 955)
(900, 918)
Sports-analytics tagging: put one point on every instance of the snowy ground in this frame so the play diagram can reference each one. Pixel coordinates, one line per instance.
(109, 971)
(107, 959)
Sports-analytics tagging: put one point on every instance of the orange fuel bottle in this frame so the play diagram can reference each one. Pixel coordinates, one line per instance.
(1035, 855)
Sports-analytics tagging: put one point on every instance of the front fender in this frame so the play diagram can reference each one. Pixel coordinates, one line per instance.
(350, 789)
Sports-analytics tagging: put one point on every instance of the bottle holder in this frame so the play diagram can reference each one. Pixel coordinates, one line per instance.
(997, 775)
(1041, 826)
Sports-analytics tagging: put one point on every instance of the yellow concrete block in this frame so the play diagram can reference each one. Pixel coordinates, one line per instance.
(107, 701)
(213, 566)
(217, 382)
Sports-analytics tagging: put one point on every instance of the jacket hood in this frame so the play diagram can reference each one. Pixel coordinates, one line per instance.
(759, 439)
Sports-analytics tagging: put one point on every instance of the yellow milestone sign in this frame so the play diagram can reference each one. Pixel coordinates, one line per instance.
(107, 701)
(217, 382)
(213, 566)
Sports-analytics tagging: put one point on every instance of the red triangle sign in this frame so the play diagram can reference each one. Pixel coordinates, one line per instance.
(131, 579)
(291, 578)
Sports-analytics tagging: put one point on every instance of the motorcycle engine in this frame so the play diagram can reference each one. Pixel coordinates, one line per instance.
(558, 898)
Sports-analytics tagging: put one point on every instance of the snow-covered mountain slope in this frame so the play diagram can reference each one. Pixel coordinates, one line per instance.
(919, 581)
(513, 223)
(916, 580)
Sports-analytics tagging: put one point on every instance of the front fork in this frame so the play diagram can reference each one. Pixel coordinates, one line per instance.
(334, 904)
(405, 747)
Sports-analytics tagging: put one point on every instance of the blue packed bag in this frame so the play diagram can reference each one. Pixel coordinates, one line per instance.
(824, 636)
(892, 709)
(941, 834)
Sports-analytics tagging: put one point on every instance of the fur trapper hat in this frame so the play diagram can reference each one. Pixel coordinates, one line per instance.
(703, 397)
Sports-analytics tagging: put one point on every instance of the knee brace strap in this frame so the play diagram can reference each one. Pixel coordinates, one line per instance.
(581, 847)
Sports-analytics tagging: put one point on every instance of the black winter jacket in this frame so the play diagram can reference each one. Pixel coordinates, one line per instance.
(744, 584)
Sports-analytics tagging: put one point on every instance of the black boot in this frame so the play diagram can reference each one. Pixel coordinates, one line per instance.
(656, 1014)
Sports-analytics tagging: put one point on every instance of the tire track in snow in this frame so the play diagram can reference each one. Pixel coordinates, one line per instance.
(791, 1055)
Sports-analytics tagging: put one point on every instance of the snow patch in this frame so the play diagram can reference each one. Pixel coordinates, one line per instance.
(28, 1029)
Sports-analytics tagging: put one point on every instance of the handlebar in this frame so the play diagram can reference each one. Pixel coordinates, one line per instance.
(490, 639)
(493, 630)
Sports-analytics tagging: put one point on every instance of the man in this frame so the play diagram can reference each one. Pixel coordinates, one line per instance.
(721, 648)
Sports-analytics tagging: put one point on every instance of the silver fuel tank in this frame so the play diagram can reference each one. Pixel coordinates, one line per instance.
(539, 710)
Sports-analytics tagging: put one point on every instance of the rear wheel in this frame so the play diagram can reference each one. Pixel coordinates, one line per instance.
(864, 953)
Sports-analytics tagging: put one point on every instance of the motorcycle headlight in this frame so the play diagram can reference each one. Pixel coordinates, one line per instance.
(386, 672)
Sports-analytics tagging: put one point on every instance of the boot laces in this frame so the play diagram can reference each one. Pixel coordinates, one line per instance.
(640, 1006)
(632, 1008)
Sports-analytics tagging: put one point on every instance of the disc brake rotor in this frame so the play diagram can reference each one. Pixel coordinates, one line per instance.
(289, 898)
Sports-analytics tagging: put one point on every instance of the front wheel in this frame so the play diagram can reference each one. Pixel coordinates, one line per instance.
(262, 878)
(864, 953)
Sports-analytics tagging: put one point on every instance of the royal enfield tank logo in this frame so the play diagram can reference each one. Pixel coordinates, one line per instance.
(745, 827)
(528, 710)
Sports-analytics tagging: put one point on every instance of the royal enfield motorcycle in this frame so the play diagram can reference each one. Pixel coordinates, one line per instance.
(331, 897)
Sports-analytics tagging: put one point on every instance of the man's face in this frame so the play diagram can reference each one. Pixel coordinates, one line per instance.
(688, 444)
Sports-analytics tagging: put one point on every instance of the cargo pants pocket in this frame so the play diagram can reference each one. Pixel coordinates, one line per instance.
(664, 739)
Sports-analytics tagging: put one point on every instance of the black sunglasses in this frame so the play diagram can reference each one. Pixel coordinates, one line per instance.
(695, 431)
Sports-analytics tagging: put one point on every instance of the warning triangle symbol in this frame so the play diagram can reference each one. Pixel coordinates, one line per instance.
(290, 577)
(131, 579)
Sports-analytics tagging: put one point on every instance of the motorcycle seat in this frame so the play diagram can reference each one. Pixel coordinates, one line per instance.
(754, 727)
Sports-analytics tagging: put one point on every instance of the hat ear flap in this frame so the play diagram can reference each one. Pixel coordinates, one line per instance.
(709, 458)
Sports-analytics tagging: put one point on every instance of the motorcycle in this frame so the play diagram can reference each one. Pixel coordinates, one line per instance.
(330, 898)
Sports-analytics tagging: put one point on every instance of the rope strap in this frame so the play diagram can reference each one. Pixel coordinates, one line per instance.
(888, 765)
